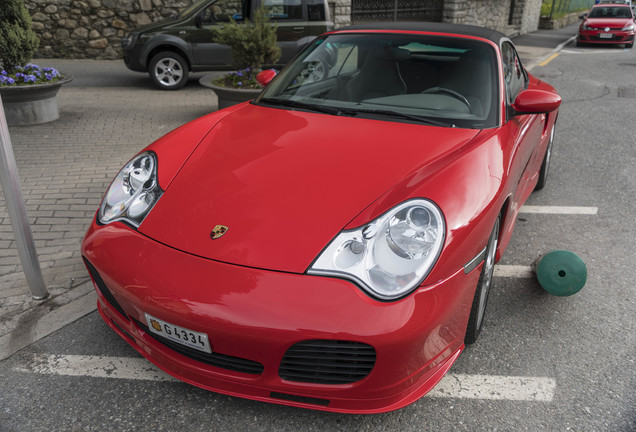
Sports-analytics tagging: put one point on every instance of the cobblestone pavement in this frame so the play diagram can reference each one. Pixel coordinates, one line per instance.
(107, 114)
(66, 165)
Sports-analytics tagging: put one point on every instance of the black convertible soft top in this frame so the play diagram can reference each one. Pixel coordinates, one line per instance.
(481, 32)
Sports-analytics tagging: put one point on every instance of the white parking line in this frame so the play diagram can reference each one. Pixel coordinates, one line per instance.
(564, 210)
(94, 367)
(495, 388)
(460, 386)
(513, 271)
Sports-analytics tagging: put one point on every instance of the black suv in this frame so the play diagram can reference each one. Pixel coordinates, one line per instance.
(169, 50)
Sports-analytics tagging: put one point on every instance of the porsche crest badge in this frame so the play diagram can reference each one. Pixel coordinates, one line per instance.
(156, 325)
(218, 231)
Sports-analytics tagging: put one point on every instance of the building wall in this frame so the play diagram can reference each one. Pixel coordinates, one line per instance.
(94, 28)
(495, 14)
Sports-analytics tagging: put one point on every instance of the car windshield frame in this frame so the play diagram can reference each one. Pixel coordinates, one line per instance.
(336, 74)
(192, 8)
(595, 12)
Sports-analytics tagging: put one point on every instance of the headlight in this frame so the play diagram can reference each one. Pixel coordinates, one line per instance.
(586, 27)
(390, 256)
(133, 193)
(128, 40)
(628, 27)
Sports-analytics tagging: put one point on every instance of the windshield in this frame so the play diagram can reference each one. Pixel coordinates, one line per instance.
(610, 12)
(394, 77)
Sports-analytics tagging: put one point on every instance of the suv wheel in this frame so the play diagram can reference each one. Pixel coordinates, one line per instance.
(168, 71)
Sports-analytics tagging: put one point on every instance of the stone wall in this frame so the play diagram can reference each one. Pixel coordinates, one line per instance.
(94, 28)
(495, 14)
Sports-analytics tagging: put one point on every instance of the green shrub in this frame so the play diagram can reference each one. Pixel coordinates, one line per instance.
(253, 43)
(546, 8)
(18, 41)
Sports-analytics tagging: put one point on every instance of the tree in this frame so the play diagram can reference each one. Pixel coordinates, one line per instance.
(253, 44)
(18, 41)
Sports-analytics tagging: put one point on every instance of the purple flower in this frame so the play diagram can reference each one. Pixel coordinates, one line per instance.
(6, 80)
(30, 78)
(240, 83)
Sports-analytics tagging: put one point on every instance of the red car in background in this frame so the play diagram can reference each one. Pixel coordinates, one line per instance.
(331, 244)
(607, 24)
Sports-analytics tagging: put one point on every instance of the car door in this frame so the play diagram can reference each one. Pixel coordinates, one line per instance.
(525, 130)
(291, 18)
(207, 53)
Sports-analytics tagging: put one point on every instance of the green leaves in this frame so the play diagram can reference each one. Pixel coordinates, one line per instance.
(18, 41)
(253, 42)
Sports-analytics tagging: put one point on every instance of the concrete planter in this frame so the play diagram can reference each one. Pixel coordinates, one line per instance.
(32, 104)
(228, 96)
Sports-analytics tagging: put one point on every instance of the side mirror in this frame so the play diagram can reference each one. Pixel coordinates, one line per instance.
(583, 16)
(265, 77)
(536, 102)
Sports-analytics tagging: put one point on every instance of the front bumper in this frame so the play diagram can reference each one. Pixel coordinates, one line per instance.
(254, 318)
(595, 37)
(133, 54)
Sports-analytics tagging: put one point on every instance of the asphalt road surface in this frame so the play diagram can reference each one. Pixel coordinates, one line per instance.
(574, 354)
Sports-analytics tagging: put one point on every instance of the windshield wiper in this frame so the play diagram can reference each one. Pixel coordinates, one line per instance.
(391, 113)
(295, 104)
(353, 111)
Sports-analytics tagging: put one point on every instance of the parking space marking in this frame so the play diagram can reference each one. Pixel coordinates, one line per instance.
(460, 386)
(513, 271)
(95, 367)
(564, 210)
(495, 388)
(549, 59)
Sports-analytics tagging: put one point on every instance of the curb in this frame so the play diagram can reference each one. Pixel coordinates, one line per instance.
(46, 318)
(559, 47)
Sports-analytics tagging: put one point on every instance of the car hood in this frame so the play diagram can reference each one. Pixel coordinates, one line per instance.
(284, 183)
(613, 23)
(158, 25)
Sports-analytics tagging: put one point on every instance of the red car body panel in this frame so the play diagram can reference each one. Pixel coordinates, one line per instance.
(269, 311)
(249, 291)
(274, 166)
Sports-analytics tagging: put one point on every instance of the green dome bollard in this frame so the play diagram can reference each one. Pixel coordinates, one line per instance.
(561, 273)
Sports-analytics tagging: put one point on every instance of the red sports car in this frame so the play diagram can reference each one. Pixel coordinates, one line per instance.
(331, 244)
(607, 24)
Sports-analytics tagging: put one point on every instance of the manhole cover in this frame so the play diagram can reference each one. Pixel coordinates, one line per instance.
(627, 92)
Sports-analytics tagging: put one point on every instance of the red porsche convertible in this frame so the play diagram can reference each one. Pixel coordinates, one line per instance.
(331, 244)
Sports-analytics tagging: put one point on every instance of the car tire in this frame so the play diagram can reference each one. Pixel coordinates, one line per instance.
(545, 165)
(168, 70)
(478, 309)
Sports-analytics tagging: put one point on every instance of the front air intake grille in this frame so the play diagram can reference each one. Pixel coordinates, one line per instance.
(101, 286)
(327, 362)
(222, 361)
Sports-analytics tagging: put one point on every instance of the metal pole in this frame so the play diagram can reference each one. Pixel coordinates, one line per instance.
(17, 212)
(552, 9)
